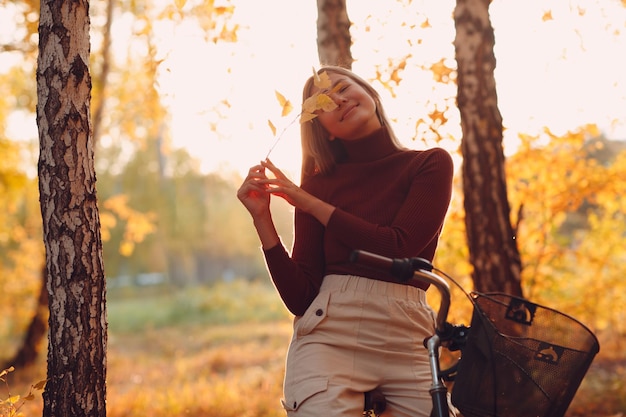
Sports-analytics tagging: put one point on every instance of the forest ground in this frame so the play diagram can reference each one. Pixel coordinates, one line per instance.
(220, 353)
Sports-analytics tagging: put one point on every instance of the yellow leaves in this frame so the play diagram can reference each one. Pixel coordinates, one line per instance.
(138, 225)
(107, 222)
(272, 127)
(320, 101)
(321, 80)
(10, 402)
(573, 220)
(284, 104)
(307, 116)
(11, 405)
(180, 4)
(316, 103)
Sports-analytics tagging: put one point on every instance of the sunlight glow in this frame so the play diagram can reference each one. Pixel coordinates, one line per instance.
(559, 65)
(561, 73)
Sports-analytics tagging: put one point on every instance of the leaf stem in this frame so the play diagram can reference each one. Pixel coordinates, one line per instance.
(281, 135)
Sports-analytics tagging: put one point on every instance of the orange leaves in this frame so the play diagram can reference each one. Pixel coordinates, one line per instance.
(571, 189)
(394, 70)
(438, 116)
(547, 16)
(441, 72)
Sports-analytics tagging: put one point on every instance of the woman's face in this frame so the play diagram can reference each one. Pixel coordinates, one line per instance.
(355, 116)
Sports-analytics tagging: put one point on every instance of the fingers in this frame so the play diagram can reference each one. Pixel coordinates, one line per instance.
(253, 183)
(270, 165)
(257, 179)
(257, 171)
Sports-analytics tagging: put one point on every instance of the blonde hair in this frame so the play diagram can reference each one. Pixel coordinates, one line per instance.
(319, 153)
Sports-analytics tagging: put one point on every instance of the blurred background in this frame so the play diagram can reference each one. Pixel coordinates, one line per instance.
(183, 94)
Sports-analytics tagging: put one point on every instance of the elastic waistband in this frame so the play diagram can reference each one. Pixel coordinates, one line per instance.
(372, 286)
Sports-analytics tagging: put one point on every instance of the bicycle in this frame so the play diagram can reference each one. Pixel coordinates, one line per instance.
(518, 358)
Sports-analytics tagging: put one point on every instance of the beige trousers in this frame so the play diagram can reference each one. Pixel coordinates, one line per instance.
(359, 334)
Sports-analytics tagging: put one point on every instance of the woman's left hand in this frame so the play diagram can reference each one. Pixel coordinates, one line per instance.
(283, 187)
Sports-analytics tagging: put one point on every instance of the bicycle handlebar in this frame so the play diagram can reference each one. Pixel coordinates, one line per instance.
(406, 269)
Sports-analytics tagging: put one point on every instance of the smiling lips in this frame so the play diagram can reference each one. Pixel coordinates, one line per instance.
(348, 110)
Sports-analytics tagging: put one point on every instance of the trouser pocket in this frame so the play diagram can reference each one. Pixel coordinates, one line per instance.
(314, 315)
(297, 394)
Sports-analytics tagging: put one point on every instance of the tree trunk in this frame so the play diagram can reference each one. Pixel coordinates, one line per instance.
(37, 329)
(333, 33)
(491, 238)
(71, 223)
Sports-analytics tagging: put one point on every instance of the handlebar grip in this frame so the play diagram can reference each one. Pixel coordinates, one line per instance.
(400, 268)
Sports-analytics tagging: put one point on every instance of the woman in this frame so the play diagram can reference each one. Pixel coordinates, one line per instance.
(355, 329)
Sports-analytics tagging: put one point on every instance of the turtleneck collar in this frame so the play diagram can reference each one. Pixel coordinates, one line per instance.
(370, 148)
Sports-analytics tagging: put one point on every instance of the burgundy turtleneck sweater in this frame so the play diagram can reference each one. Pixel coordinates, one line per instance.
(388, 201)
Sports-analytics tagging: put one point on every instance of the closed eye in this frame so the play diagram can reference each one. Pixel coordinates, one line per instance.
(339, 87)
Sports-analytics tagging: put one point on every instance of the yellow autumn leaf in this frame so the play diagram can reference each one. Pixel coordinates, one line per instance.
(310, 104)
(180, 3)
(13, 399)
(284, 103)
(321, 80)
(305, 117)
(271, 125)
(318, 102)
(325, 103)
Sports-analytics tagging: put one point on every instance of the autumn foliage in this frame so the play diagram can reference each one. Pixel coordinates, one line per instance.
(567, 193)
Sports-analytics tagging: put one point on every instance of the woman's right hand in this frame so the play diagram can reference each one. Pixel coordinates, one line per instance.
(253, 192)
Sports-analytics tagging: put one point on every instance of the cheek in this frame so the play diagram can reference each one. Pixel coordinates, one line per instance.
(327, 121)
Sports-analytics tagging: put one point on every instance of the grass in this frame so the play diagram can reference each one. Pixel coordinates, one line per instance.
(220, 352)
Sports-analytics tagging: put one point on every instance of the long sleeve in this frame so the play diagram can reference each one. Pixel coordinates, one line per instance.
(417, 221)
(299, 277)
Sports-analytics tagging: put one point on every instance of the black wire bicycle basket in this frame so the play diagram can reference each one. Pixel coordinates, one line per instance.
(520, 359)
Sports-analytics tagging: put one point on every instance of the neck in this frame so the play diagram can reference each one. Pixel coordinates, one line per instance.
(370, 148)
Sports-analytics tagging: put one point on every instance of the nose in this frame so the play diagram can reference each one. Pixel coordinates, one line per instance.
(338, 98)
